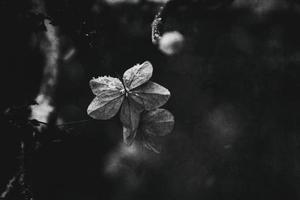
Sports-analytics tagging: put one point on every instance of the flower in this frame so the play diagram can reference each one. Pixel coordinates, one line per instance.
(153, 124)
(134, 94)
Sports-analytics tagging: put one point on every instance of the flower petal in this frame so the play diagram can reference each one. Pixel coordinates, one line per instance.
(105, 105)
(137, 75)
(159, 122)
(105, 83)
(128, 135)
(151, 95)
(130, 114)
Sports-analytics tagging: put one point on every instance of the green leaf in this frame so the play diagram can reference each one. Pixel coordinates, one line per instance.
(105, 105)
(130, 114)
(151, 95)
(137, 75)
(159, 122)
(128, 135)
(105, 83)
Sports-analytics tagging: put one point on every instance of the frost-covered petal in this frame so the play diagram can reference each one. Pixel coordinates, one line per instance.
(106, 105)
(137, 75)
(105, 83)
(150, 95)
(159, 122)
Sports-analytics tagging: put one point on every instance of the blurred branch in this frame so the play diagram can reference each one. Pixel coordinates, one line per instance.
(50, 45)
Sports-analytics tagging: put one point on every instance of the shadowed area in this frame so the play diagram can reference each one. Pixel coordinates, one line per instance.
(232, 68)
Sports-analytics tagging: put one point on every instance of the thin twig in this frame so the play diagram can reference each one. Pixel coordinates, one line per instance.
(64, 124)
(9, 186)
(17, 175)
(74, 122)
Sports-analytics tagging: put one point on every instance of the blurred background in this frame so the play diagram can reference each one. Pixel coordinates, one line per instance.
(232, 67)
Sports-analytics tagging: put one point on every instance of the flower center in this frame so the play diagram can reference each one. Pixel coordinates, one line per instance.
(125, 90)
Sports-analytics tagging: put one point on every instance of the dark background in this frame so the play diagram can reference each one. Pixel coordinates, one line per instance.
(235, 97)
